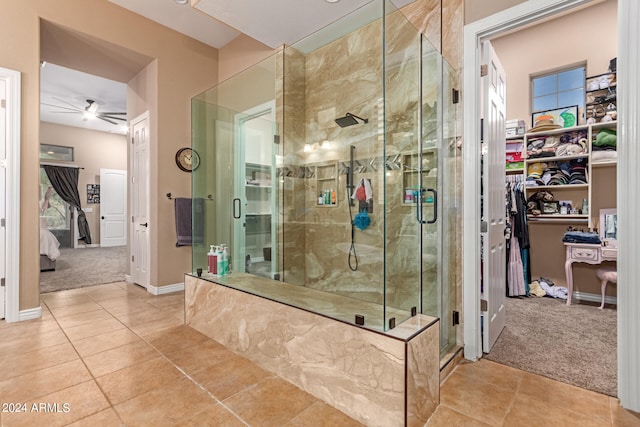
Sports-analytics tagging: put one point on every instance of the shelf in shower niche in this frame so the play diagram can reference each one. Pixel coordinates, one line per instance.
(327, 180)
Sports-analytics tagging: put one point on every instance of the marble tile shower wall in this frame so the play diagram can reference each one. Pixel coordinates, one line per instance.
(346, 76)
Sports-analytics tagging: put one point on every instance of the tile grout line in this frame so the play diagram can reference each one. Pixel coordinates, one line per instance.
(93, 377)
(172, 364)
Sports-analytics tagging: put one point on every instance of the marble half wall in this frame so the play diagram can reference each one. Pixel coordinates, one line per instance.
(380, 379)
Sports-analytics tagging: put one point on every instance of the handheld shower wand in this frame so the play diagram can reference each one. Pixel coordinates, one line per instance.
(350, 188)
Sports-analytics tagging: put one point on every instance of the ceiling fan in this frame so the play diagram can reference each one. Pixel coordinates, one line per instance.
(90, 111)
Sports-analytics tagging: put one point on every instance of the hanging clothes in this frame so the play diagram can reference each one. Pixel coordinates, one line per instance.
(518, 271)
(515, 274)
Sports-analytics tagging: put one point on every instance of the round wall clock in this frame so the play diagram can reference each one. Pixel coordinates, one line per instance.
(187, 159)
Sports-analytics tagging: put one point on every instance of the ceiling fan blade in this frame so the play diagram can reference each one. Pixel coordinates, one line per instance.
(68, 103)
(71, 110)
(113, 114)
(107, 120)
(107, 116)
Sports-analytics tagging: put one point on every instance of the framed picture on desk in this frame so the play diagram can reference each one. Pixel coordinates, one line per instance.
(609, 227)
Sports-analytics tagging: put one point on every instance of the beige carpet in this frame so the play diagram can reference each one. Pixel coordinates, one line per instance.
(574, 344)
(79, 268)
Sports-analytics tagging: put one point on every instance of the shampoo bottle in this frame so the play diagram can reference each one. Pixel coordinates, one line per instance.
(220, 264)
(225, 256)
(320, 199)
(334, 197)
(212, 261)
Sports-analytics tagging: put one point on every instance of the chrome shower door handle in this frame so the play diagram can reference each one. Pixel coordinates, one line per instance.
(419, 206)
(237, 208)
(435, 205)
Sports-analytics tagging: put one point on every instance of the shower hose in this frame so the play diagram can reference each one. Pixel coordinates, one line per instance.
(352, 249)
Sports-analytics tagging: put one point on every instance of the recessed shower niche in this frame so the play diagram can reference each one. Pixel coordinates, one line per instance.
(358, 101)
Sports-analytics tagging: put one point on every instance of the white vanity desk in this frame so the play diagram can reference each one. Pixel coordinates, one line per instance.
(593, 253)
(587, 253)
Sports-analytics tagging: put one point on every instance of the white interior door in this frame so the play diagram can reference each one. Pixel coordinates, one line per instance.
(494, 251)
(3, 192)
(113, 207)
(140, 242)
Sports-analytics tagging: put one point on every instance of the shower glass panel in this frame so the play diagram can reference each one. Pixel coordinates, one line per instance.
(402, 166)
(321, 169)
(234, 194)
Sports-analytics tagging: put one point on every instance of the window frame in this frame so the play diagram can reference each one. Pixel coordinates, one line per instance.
(556, 72)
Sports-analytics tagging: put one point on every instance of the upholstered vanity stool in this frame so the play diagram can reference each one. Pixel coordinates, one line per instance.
(606, 274)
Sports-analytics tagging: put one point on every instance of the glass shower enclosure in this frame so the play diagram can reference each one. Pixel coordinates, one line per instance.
(329, 171)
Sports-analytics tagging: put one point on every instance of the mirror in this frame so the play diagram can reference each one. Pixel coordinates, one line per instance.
(609, 227)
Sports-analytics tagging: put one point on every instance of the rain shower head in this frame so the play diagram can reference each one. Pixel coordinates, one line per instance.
(349, 120)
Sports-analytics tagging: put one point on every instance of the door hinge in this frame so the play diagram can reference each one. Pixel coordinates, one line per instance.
(2, 283)
(455, 317)
(3, 103)
(484, 306)
(455, 96)
(133, 219)
(3, 222)
(132, 139)
(484, 70)
(276, 139)
(132, 258)
(484, 227)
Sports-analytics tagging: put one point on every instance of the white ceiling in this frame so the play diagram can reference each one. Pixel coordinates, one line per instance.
(62, 89)
(213, 22)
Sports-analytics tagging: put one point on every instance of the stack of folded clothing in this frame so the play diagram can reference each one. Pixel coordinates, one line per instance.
(605, 146)
(581, 237)
(542, 147)
(572, 144)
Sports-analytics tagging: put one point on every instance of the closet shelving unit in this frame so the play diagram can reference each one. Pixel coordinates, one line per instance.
(601, 96)
(571, 192)
(514, 150)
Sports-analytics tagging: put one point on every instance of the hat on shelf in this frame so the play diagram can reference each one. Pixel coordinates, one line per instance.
(544, 123)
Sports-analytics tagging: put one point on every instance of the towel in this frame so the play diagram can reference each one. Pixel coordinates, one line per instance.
(368, 192)
(182, 207)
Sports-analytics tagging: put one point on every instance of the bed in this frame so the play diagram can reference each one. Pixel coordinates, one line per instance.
(49, 248)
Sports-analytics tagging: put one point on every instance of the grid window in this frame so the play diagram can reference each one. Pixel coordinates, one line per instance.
(557, 90)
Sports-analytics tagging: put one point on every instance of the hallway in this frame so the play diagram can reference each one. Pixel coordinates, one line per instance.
(116, 355)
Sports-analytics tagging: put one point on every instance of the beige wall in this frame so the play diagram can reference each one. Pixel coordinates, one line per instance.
(92, 151)
(554, 44)
(239, 54)
(184, 68)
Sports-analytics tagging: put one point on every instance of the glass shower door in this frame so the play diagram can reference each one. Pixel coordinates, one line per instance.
(437, 212)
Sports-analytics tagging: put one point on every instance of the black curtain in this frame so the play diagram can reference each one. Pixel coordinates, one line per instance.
(65, 182)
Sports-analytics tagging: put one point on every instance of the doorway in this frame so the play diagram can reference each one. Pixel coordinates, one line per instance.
(628, 351)
(83, 129)
(534, 338)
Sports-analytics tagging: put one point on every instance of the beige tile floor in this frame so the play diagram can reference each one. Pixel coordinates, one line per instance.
(114, 355)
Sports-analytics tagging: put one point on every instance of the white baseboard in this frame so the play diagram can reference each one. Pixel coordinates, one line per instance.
(29, 314)
(583, 296)
(127, 278)
(161, 290)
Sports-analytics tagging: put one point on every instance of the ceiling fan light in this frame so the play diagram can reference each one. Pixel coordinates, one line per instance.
(89, 115)
(182, 1)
